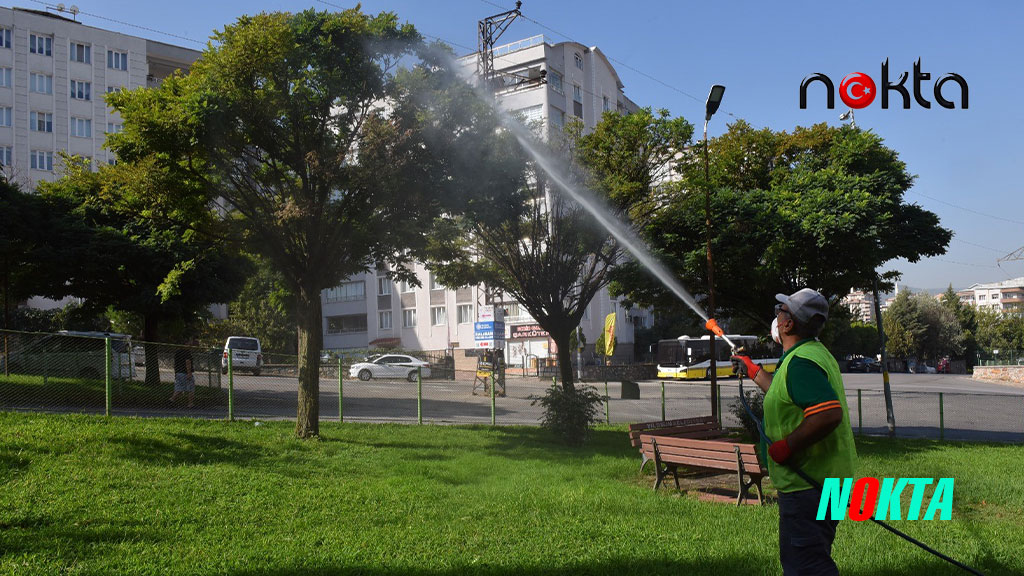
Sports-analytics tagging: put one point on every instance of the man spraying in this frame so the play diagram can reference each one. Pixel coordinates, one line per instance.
(806, 417)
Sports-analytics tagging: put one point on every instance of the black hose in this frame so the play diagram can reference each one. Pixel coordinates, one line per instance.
(816, 484)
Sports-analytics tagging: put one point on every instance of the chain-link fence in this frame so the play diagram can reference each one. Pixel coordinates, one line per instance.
(69, 372)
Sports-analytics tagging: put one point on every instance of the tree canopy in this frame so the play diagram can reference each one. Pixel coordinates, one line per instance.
(313, 151)
(821, 207)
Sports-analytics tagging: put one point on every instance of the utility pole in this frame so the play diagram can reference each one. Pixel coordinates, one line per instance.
(890, 418)
(489, 30)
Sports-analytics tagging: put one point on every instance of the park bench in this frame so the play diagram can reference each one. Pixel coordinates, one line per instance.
(671, 452)
(699, 428)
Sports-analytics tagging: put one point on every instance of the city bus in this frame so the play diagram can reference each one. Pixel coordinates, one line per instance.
(688, 358)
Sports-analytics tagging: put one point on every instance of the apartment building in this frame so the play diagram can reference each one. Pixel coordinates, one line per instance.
(1005, 296)
(54, 74)
(861, 305)
(544, 83)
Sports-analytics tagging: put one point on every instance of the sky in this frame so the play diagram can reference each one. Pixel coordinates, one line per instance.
(668, 54)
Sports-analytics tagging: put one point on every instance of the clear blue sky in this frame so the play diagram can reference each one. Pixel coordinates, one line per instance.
(967, 161)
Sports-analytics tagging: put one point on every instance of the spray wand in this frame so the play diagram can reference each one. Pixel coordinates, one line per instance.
(713, 326)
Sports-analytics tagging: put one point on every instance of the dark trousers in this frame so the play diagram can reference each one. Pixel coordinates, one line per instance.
(805, 544)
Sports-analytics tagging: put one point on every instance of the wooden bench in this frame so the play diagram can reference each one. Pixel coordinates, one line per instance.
(670, 452)
(699, 428)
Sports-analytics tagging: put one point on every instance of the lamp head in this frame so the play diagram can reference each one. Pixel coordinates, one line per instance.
(714, 101)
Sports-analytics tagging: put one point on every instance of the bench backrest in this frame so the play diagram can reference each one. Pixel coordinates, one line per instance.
(699, 427)
(715, 454)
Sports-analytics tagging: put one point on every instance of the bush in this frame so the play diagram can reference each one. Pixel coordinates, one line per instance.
(570, 414)
(756, 400)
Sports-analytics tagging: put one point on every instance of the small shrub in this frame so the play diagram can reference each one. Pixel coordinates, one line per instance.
(756, 400)
(570, 415)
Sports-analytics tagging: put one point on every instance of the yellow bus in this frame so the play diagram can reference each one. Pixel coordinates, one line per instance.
(688, 358)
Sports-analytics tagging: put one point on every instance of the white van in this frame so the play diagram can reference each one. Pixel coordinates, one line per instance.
(246, 354)
(73, 354)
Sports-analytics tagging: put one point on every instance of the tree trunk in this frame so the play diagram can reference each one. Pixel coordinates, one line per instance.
(310, 329)
(564, 359)
(150, 335)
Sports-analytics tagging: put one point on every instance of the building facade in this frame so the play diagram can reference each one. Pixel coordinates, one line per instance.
(54, 74)
(544, 84)
(861, 305)
(1005, 296)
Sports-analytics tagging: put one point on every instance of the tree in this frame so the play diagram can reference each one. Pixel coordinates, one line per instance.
(999, 331)
(264, 309)
(968, 321)
(902, 325)
(820, 207)
(319, 157)
(119, 258)
(920, 326)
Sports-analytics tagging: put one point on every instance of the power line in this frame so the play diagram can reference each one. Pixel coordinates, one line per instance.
(617, 61)
(968, 209)
(978, 245)
(965, 263)
(123, 23)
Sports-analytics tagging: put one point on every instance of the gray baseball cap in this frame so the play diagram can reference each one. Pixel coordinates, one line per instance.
(805, 304)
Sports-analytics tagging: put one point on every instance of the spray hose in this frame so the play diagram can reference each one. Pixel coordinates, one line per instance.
(817, 485)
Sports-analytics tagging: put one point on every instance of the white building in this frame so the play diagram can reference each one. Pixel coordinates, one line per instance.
(1006, 296)
(54, 73)
(577, 80)
(861, 305)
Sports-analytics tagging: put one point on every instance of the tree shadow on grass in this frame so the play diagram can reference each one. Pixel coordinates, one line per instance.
(620, 567)
(187, 448)
(29, 535)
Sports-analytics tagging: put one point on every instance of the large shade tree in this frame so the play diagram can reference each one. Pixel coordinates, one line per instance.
(822, 207)
(317, 155)
(526, 237)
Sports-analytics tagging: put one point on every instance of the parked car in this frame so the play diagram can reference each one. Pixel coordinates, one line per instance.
(246, 355)
(864, 365)
(390, 366)
(70, 354)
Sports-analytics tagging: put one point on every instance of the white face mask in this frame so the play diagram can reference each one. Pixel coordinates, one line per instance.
(775, 331)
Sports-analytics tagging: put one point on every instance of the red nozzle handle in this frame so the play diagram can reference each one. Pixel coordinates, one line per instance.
(712, 325)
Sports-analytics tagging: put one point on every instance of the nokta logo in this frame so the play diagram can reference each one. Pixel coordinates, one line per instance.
(842, 497)
(858, 89)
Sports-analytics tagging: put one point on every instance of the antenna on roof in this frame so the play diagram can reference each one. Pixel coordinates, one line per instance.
(74, 11)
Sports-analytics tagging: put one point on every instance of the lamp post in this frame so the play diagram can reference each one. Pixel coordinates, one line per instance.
(710, 107)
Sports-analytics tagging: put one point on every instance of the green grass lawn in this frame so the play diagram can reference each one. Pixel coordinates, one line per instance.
(92, 495)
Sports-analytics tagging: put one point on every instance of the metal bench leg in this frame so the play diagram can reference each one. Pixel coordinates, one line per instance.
(644, 462)
(744, 487)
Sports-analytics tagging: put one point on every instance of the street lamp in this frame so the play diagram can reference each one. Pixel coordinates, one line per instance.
(714, 101)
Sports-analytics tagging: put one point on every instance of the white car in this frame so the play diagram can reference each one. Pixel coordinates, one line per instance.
(390, 366)
(246, 354)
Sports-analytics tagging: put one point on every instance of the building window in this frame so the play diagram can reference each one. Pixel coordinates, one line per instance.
(5, 155)
(995, 296)
(577, 101)
(434, 284)
(409, 318)
(384, 286)
(81, 53)
(112, 161)
(6, 116)
(5, 77)
(42, 160)
(114, 128)
(40, 122)
(384, 320)
(579, 60)
(438, 316)
(40, 44)
(555, 81)
(81, 90)
(464, 313)
(981, 297)
(81, 127)
(114, 89)
(40, 83)
(405, 287)
(5, 37)
(117, 60)
(346, 324)
(531, 115)
(347, 292)
(606, 106)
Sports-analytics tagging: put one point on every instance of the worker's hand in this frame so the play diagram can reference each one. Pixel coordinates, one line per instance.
(744, 366)
(780, 451)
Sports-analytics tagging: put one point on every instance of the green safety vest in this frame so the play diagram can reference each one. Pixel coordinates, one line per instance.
(835, 455)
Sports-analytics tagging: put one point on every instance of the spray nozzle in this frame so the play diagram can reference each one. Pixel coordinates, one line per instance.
(713, 326)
